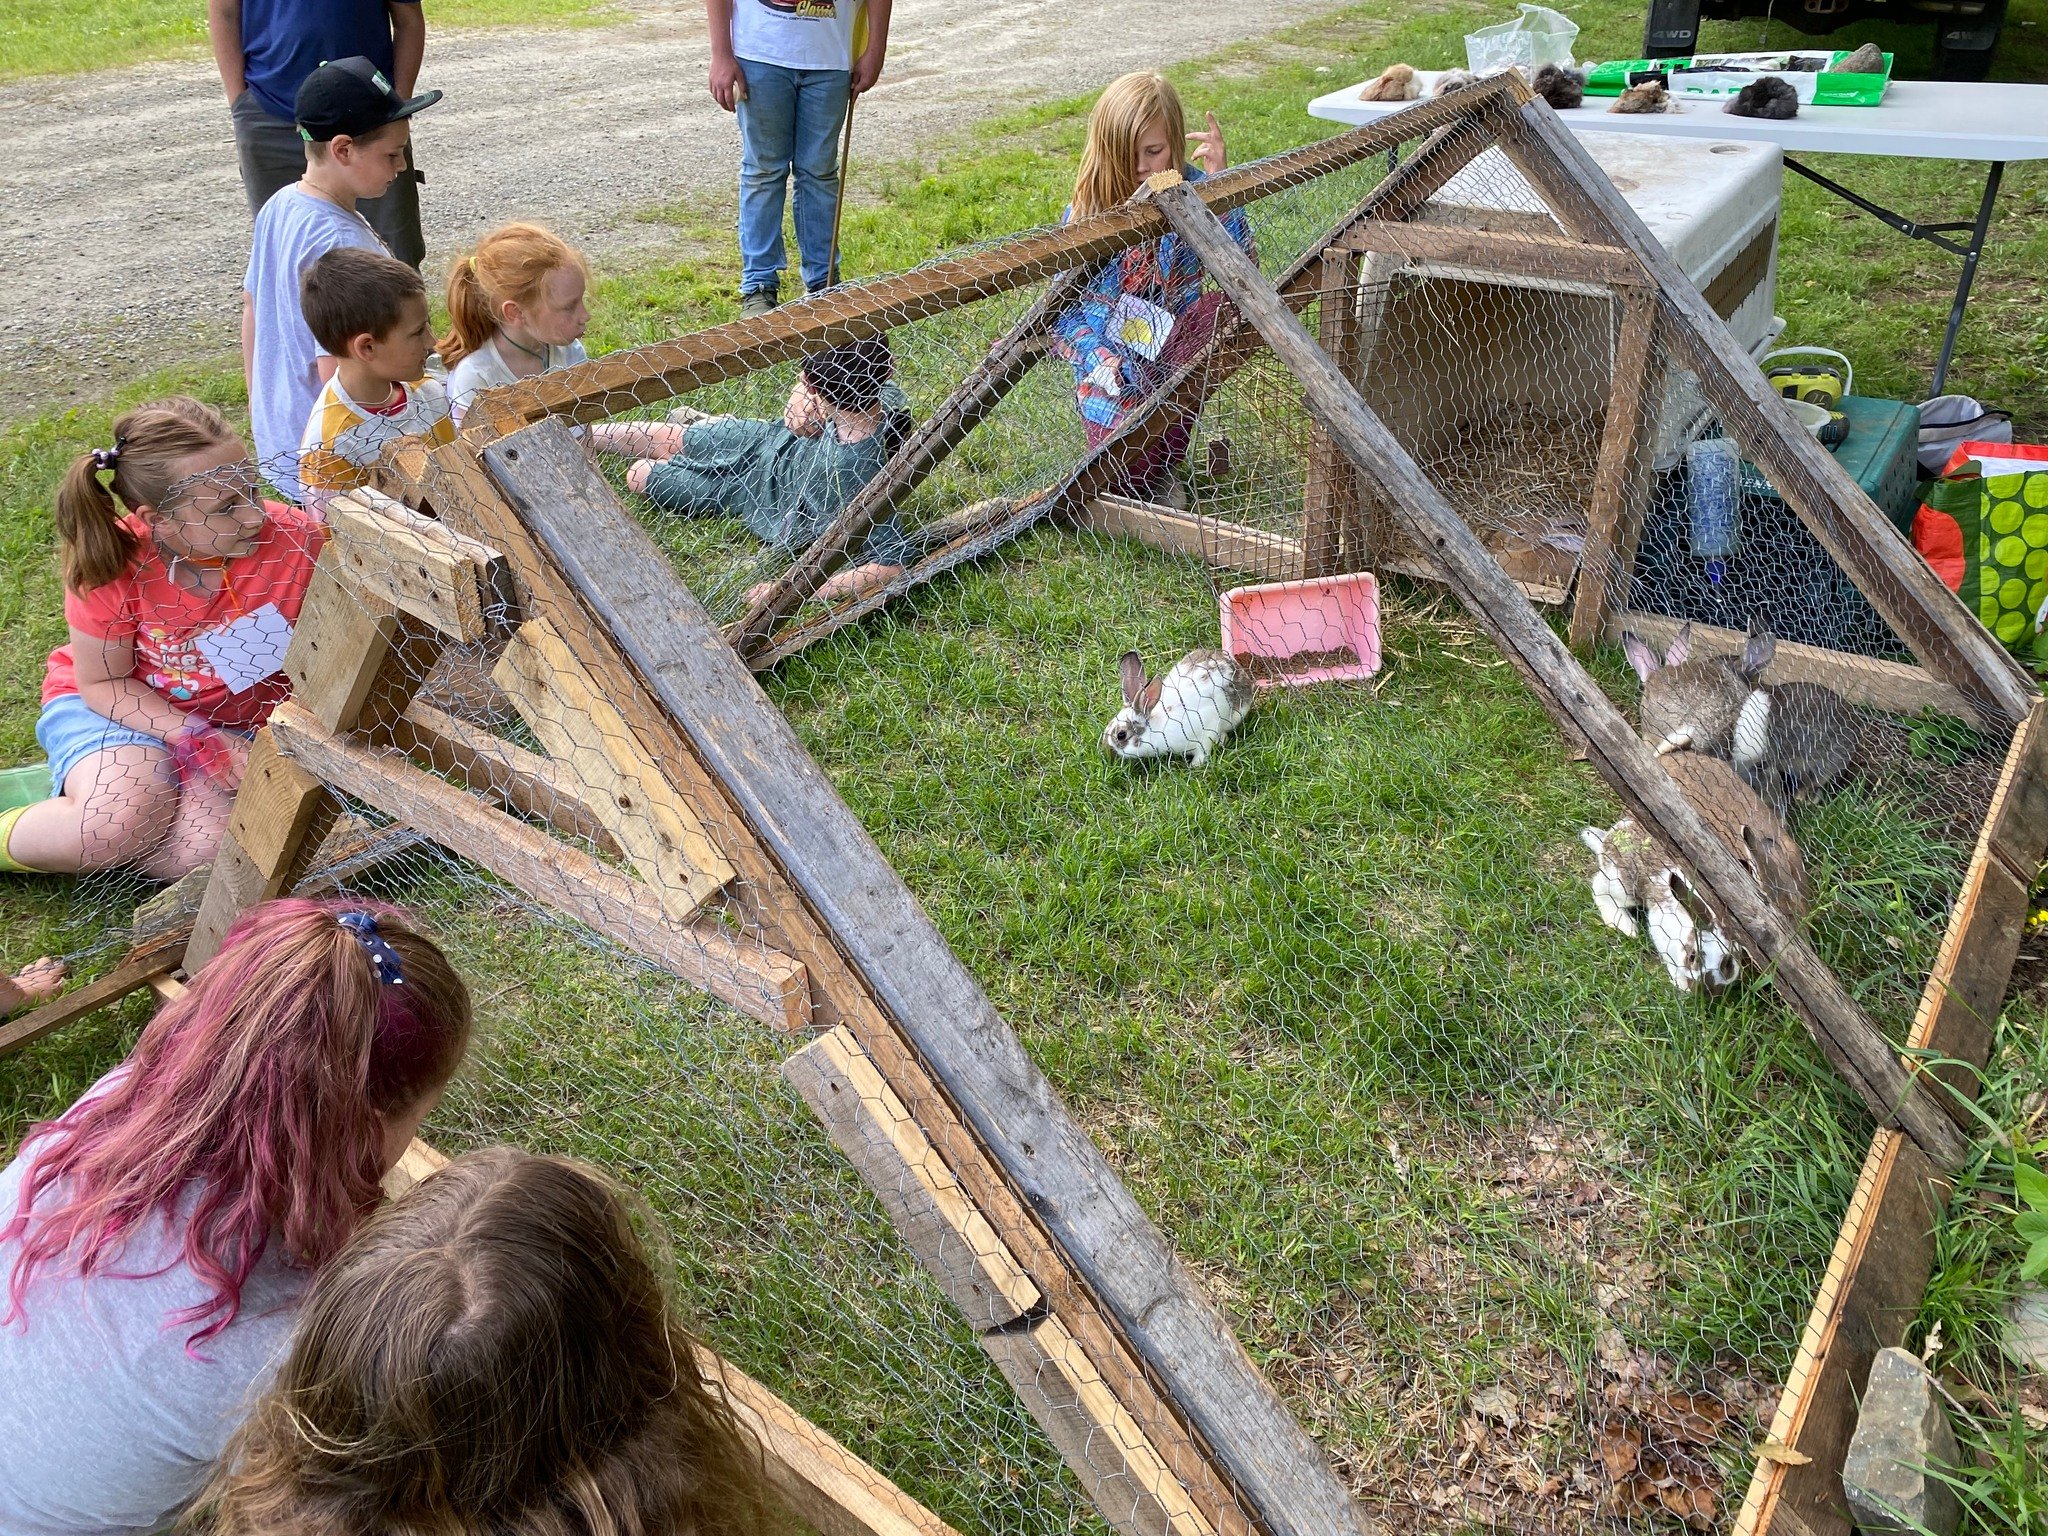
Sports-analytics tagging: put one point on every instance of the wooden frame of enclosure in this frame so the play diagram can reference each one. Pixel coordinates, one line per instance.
(508, 540)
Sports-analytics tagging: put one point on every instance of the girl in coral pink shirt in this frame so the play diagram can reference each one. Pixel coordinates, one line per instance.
(180, 588)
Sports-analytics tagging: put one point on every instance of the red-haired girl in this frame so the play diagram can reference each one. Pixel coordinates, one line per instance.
(156, 1238)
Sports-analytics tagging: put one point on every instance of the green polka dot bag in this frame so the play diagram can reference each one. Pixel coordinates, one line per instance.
(1984, 527)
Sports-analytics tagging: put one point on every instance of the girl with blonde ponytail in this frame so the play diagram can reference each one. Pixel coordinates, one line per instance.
(180, 590)
(515, 309)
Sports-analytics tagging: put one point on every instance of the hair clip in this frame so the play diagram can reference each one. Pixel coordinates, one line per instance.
(383, 958)
(105, 458)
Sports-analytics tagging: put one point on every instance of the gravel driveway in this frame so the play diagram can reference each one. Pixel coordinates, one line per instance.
(122, 227)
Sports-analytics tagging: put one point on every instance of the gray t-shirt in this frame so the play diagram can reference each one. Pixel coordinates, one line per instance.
(294, 230)
(106, 1423)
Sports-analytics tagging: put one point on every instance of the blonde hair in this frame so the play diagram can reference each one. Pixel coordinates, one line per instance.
(93, 547)
(509, 263)
(1109, 165)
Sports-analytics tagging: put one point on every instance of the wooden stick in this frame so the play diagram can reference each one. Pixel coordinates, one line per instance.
(648, 374)
(1546, 256)
(943, 1227)
(1922, 611)
(751, 977)
(1614, 512)
(452, 482)
(519, 780)
(789, 803)
(1330, 504)
(141, 969)
(1845, 1034)
(839, 202)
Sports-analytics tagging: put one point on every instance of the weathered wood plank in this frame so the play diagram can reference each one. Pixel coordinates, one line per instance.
(402, 562)
(1866, 1301)
(1330, 508)
(1922, 611)
(1226, 545)
(819, 1480)
(454, 484)
(792, 808)
(1119, 1468)
(279, 816)
(868, 1123)
(753, 978)
(1845, 1034)
(1897, 687)
(1614, 512)
(519, 780)
(624, 786)
(1531, 255)
(141, 969)
(645, 375)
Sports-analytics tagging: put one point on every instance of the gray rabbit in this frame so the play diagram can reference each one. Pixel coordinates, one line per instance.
(1793, 740)
(1692, 703)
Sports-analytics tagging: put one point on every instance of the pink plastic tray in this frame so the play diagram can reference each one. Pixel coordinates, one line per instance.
(1285, 618)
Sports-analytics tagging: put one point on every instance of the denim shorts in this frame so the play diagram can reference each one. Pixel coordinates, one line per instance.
(69, 732)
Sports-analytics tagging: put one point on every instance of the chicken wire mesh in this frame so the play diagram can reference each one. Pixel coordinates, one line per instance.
(1519, 1216)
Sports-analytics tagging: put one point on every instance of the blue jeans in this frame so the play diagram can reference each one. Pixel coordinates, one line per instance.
(789, 121)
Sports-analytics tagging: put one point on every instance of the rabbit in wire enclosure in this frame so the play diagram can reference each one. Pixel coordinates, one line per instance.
(1789, 740)
(1633, 874)
(1186, 713)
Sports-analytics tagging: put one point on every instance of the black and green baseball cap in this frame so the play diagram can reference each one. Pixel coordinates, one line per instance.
(351, 96)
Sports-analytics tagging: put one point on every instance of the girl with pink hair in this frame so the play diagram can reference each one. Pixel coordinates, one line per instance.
(156, 1238)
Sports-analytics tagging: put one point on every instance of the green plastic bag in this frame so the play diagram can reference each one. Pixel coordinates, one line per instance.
(2003, 520)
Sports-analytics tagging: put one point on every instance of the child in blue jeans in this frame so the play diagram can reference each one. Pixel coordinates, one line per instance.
(789, 69)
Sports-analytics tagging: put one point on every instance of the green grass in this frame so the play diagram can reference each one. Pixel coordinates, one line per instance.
(1338, 1008)
(64, 37)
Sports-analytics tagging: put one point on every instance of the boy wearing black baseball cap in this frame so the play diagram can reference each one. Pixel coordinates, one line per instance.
(355, 127)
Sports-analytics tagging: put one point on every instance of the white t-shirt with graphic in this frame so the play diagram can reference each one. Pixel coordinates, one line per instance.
(797, 34)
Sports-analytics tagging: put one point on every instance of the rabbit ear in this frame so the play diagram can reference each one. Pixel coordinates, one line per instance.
(1131, 668)
(1681, 645)
(1639, 654)
(1758, 650)
(1149, 699)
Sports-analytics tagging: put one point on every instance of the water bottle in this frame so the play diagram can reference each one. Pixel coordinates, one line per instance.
(1712, 470)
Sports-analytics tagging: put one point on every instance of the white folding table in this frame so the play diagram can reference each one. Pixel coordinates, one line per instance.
(1920, 120)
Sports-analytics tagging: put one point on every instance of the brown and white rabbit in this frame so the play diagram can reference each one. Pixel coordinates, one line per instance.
(1693, 702)
(1188, 712)
(1634, 874)
(1793, 740)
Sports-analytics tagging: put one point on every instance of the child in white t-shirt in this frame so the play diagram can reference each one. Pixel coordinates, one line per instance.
(356, 128)
(789, 69)
(370, 312)
(515, 309)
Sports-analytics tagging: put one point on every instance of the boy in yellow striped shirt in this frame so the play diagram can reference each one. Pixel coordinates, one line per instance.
(370, 312)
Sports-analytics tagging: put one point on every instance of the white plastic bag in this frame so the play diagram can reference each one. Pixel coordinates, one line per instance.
(1538, 36)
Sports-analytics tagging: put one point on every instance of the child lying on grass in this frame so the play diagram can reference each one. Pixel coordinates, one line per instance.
(786, 480)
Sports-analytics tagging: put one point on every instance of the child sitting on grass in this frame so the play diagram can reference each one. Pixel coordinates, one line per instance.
(180, 609)
(515, 309)
(356, 128)
(1144, 314)
(369, 312)
(786, 480)
(493, 1352)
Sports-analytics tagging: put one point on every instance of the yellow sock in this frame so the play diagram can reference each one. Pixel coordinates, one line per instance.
(9, 865)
